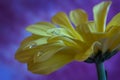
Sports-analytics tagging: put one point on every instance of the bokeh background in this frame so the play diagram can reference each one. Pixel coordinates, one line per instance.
(16, 15)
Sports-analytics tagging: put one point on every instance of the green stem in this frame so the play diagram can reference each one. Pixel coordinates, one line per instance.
(101, 71)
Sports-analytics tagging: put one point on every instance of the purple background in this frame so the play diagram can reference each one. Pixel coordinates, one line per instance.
(15, 15)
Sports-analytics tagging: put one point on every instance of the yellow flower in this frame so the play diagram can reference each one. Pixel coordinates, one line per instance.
(52, 45)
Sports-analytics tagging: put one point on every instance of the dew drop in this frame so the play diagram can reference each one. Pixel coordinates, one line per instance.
(39, 53)
(30, 45)
(54, 31)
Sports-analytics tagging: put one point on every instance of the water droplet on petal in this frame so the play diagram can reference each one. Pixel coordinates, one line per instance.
(39, 53)
(54, 31)
(30, 45)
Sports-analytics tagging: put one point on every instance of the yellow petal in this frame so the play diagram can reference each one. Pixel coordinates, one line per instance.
(116, 44)
(113, 31)
(112, 40)
(47, 51)
(87, 52)
(62, 20)
(78, 17)
(67, 41)
(114, 22)
(84, 30)
(100, 15)
(26, 50)
(92, 26)
(59, 32)
(26, 55)
(40, 28)
(88, 36)
(57, 61)
(32, 43)
(30, 38)
(112, 43)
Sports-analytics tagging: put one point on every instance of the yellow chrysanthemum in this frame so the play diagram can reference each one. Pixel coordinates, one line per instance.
(51, 47)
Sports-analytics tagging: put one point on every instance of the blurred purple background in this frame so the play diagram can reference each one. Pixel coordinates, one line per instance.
(16, 15)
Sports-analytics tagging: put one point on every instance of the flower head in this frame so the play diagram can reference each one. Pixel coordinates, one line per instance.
(52, 45)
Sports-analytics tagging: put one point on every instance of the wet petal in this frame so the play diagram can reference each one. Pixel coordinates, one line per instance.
(57, 61)
(26, 55)
(62, 20)
(67, 41)
(78, 17)
(26, 50)
(30, 38)
(47, 51)
(60, 32)
(100, 15)
(32, 43)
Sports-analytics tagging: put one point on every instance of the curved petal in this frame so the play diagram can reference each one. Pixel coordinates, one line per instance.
(47, 51)
(40, 28)
(67, 41)
(78, 17)
(59, 32)
(116, 44)
(30, 38)
(112, 43)
(113, 31)
(87, 52)
(26, 44)
(114, 22)
(100, 15)
(84, 29)
(57, 61)
(62, 20)
(92, 26)
(112, 39)
(26, 55)
(29, 47)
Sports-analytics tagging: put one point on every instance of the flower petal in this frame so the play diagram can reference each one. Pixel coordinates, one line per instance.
(57, 61)
(62, 20)
(92, 26)
(87, 52)
(26, 50)
(59, 32)
(84, 29)
(40, 28)
(112, 43)
(30, 38)
(78, 16)
(100, 15)
(47, 51)
(26, 55)
(113, 31)
(112, 39)
(114, 22)
(67, 41)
